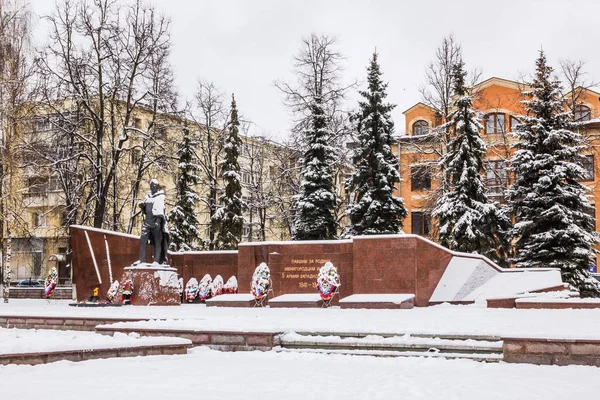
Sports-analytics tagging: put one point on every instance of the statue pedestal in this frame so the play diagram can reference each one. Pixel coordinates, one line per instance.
(153, 285)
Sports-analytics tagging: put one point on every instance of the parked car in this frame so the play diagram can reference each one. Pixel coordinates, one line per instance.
(31, 282)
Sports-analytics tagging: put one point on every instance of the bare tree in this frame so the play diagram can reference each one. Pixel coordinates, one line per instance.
(259, 172)
(315, 101)
(576, 80)
(97, 69)
(15, 74)
(437, 91)
(153, 150)
(211, 117)
(285, 184)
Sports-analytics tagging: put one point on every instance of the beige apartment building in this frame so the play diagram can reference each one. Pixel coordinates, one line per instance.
(40, 238)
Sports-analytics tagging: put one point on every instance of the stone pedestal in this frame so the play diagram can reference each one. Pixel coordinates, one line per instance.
(153, 285)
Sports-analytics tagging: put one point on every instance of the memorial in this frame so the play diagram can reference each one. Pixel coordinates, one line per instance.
(399, 264)
(154, 283)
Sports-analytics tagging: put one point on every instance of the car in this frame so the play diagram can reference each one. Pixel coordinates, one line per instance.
(31, 282)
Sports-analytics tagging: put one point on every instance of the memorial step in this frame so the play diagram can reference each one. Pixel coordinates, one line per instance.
(484, 357)
(398, 343)
(457, 336)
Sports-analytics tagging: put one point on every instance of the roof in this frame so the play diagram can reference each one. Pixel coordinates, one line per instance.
(584, 89)
(419, 104)
(494, 80)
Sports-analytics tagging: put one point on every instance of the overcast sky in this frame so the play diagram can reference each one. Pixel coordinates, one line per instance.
(244, 45)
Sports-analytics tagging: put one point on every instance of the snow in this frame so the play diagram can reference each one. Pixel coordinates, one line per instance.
(148, 266)
(215, 252)
(295, 242)
(377, 298)
(554, 299)
(288, 298)
(453, 280)
(167, 278)
(443, 319)
(271, 375)
(472, 279)
(507, 284)
(381, 341)
(14, 341)
(232, 297)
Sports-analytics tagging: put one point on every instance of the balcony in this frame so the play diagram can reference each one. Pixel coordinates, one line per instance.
(45, 199)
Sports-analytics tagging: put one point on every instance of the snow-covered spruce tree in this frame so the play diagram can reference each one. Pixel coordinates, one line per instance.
(374, 208)
(228, 220)
(182, 218)
(468, 220)
(553, 227)
(315, 102)
(314, 218)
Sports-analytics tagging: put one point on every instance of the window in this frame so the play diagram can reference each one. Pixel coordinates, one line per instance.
(592, 213)
(64, 221)
(588, 165)
(137, 123)
(513, 123)
(421, 223)
(42, 125)
(495, 179)
(593, 268)
(582, 113)
(136, 156)
(39, 220)
(420, 178)
(160, 131)
(353, 145)
(246, 178)
(420, 128)
(38, 186)
(494, 123)
(246, 231)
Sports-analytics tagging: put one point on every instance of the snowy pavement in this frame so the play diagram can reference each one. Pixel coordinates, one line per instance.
(442, 319)
(15, 341)
(205, 373)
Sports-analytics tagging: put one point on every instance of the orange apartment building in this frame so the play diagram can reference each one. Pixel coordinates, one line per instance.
(499, 102)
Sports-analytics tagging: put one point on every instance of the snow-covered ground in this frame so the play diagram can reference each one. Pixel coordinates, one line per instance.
(208, 374)
(442, 319)
(14, 341)
(205, 373)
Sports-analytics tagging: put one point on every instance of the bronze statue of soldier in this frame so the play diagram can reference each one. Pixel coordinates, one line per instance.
(155, 225)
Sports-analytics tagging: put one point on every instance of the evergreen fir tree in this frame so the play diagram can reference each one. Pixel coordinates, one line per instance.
(553, 227)
(314, 218)
(375, 209)
(468, 220)
(228, 220)
(184, 233)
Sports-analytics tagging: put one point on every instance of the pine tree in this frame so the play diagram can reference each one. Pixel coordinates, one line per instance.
(553, 227)
(184, 233)
(468, 220)
(228, 220)
(375, 209)
(314, 218)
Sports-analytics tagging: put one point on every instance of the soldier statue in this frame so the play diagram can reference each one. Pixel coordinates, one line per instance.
(155, 225)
